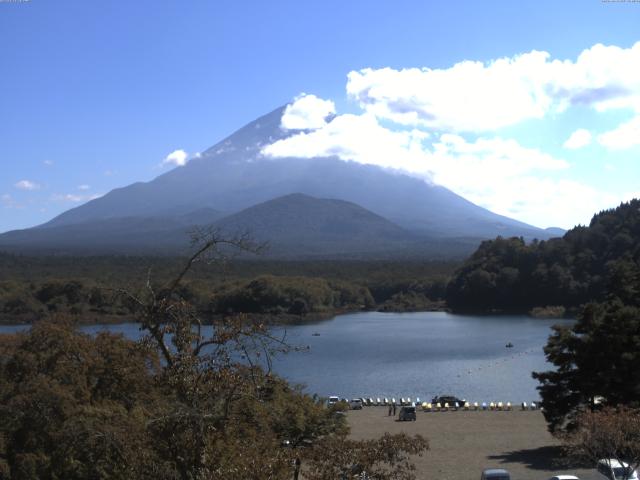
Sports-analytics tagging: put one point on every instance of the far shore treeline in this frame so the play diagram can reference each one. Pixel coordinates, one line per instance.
(506, 275)
(34, 287)
(588, 264)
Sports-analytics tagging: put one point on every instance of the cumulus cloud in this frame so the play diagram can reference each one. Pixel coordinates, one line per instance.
(578, 139)
(448, 126)
(496, 173)
(307, 112)
(356, 137)
(177, 157)
(476, 96)
(27, 185)
(625, 136)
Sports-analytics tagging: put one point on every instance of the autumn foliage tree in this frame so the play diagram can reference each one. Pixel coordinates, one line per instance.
(608, 434)
(189, 401)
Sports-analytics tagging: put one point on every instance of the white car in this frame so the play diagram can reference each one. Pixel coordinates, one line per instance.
(612, 469)
(564, 477)
(333, 400)
(355, 404)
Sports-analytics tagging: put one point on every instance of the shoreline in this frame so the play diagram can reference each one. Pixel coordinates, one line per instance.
(280, 319)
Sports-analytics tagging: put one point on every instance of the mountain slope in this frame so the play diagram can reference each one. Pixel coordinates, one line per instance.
(298, 224)
(233, 175)
(294, 226)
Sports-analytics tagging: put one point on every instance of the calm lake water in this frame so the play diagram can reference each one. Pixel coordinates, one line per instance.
(422, 354)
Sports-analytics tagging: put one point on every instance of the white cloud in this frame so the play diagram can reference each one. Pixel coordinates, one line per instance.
(443, 125)
(27, 185)
(479, 97)
(496, 173)
(48, 163)
(578, 139)
(84, 187)
(356, 137)
(307, 112)
(177, 157)
(625, 136)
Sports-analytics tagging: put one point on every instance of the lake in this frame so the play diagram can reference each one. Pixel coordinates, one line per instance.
(423, 354)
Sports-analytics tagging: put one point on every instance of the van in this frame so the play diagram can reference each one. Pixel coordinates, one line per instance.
(356, 404)
(612, 469)
(407, 413)
(333, 400)
(495, 474)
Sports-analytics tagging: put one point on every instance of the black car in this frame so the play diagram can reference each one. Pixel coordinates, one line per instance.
(407, 413)
(450, 399)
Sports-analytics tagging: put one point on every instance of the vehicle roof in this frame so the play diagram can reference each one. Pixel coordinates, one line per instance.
(495, 471)
(564, 477)
(356, 399)
(612, 461)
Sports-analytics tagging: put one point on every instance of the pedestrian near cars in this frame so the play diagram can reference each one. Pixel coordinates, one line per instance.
(390, 408)
(394, 409)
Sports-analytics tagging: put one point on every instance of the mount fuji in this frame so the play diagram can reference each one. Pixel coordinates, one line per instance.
(303, 207)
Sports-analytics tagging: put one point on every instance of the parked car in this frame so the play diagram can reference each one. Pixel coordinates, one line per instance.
(407, 413)
(495, 474)
(355, 404)
(450, 399)
(564, 477)
(612, 469)
(333, 400)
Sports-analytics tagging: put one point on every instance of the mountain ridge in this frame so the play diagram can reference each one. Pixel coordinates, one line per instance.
(233, 175)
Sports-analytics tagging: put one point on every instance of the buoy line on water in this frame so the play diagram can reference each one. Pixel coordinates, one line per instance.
(499, 362)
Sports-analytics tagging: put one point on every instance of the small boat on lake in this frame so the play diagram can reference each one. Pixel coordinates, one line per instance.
(509, 345)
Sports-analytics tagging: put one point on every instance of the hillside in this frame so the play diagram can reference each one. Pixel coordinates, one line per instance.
(594, 263)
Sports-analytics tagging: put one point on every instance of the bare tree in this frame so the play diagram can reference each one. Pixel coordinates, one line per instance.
(609, 434)
(173, 324)
(230, 414)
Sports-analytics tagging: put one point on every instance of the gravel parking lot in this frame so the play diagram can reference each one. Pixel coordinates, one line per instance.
(463, 443)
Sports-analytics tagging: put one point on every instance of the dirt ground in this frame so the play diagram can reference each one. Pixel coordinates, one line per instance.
(464, 443)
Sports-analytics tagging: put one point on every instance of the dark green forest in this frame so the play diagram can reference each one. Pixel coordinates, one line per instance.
(589, 263)
(592, 273)
(33, 287)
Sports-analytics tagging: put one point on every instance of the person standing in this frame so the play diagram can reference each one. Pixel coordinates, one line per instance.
(390, 408)
(394, 409)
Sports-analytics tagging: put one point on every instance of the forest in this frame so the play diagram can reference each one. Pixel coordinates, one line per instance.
(589, 263)
(33, 287)
(557, 276)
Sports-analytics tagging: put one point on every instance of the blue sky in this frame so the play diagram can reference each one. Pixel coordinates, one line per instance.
(97, 95)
